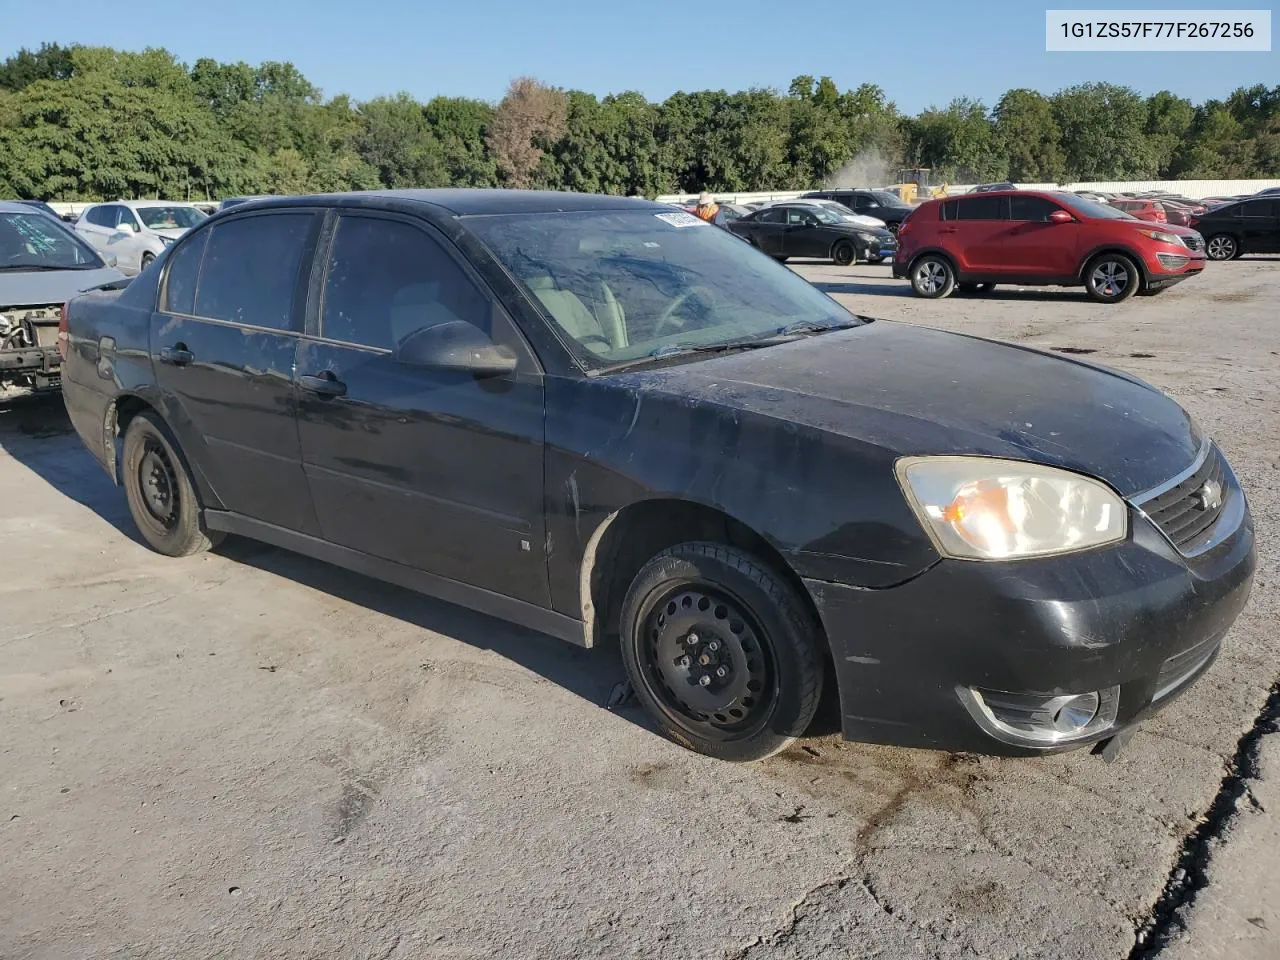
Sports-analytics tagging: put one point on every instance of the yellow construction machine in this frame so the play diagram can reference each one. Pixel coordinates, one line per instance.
(913, 186)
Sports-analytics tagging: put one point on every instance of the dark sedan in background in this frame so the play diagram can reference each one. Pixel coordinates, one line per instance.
(1247, 226)
(813, 230)
(880, 204)
(604, 418)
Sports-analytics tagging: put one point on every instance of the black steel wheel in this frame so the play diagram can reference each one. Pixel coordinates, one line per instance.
(721, 652)
(844, 253)
(161, 497)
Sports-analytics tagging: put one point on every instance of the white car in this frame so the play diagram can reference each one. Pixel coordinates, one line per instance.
(839, 209)
(135, 231)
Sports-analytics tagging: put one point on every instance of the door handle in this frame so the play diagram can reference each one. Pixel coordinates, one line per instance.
(326, 385)
(179, 356)
(949, 230)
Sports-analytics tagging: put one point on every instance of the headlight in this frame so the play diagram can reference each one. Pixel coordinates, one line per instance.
(1162, 236)
(980, 508)
(166, 240)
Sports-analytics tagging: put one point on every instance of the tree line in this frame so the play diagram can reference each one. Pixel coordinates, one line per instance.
(88, 123)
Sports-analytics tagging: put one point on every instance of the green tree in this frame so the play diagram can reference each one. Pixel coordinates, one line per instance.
(1169, 119)
(1103, 132)
(1029, 137)
(396, 140)
(959, 143)
(51, 62)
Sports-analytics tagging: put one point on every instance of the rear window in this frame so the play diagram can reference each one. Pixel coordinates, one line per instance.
(183, 272)
(251, 268)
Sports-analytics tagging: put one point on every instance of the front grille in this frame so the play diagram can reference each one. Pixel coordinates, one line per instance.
(1187, 510)
(1194, 242)
(1181, 667)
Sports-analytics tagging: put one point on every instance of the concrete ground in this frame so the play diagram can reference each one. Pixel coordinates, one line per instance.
(251, 754)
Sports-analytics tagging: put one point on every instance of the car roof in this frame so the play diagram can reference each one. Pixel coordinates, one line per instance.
(470, 202)
(13, 206)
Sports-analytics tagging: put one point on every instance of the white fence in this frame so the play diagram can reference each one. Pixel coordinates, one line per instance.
(1195, 189)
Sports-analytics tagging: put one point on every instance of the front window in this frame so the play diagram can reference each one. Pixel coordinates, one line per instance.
(170, 218)
(626, 285)
(1095, 211)
(33, 241)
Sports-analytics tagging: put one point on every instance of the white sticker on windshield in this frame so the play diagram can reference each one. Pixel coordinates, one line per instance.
(681, 219)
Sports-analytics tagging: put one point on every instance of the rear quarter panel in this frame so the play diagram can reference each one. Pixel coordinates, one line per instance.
(108, 356)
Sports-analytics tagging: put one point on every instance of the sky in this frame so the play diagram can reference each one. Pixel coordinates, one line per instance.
(922, 52)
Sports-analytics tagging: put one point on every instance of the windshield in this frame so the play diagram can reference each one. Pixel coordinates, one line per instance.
(36, 241)
(622, 285)
(887, 199)
(827, 215)
(169, 218)
(1099, 211)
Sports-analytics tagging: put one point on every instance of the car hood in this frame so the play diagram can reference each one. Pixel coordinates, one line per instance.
(39, 288)
(862, 220)
(917, 391)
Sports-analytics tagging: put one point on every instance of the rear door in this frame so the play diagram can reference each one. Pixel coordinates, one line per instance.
(223, 346)
(435, 469)
(981, 220)
(1034, 246)
(767, 230)
(1259, 229)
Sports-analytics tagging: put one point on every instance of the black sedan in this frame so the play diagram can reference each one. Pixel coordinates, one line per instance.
(610, 421)
(814, 230)
(1247, 226)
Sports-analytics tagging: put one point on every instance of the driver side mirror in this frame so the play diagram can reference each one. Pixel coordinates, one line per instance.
(455, 345)
(1061, 216)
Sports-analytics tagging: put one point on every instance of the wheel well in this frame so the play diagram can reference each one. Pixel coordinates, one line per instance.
(941, 254)
(119, 413)
(628, 539)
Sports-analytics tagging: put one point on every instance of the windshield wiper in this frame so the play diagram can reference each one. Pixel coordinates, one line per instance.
(792, 331)
(34, 266)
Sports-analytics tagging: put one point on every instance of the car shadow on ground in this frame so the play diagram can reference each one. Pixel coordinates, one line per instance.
(36, 432)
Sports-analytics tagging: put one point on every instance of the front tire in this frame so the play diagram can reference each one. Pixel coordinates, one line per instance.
(1111, 278)
(844, 254)
(1222, 246)
(161, 496)
(147, 260)
(721, 652)
(932, 277)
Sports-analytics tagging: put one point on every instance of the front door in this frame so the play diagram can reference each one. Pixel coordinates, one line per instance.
(1259, 226)
(223, 346)
(438, 470)
(1034, 246)
(804, 236)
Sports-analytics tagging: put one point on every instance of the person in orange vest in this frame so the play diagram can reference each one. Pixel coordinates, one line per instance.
(707, 208)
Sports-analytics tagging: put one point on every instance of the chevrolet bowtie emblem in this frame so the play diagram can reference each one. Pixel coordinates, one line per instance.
(1209, 497)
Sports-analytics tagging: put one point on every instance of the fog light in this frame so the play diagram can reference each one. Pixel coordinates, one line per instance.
(1076, 713)
(1041, 720)
(1172, 260)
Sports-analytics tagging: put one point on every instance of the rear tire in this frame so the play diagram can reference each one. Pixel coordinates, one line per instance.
(932, 277)
(875, 260)
(967, 287)
(722, 652)
(780, 259)
(844, 254)
(1222, 246)
(1111, 278)
(161, 497)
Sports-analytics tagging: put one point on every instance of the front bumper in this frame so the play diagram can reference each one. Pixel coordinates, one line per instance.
(1139, 616)
(37, 362)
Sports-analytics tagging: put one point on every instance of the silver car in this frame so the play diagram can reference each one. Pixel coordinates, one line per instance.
(135, 231)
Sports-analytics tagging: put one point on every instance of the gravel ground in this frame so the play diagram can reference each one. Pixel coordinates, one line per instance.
(251, 754)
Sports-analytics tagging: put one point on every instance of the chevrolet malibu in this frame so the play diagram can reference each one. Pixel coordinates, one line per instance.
(604, 419)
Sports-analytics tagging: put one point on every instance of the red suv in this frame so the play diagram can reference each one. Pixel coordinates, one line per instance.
(1036, 238)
